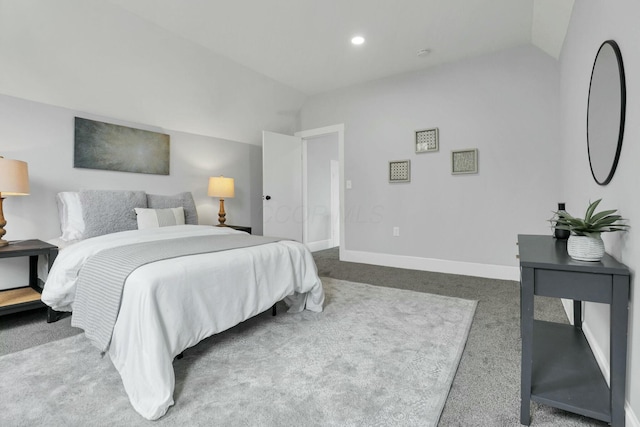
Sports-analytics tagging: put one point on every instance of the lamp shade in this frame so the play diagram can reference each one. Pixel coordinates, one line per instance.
(14, 177)
(222, 187)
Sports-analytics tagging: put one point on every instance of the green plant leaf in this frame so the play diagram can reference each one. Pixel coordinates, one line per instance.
(592, 207)
(603, 214)
(592, 224)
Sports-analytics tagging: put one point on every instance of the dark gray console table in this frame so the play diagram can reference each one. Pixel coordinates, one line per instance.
(558, 367)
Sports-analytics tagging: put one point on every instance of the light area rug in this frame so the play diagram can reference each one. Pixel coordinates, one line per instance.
(374, 357)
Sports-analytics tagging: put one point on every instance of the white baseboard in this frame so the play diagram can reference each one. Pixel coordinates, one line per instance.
(320, 245)
(630, 416)
(631, 420)
(501, 272)
(601, 358)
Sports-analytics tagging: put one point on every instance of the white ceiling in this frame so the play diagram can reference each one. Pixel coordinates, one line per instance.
(305, 44)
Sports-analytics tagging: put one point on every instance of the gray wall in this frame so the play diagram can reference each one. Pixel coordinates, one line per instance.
(592, 23)
(505, 104)
(96, 57)
(42, 135)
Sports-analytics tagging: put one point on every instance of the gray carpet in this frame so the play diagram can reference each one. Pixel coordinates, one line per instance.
(486, 389)
(375, 356)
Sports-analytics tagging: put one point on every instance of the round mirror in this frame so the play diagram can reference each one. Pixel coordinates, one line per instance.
(605, 112)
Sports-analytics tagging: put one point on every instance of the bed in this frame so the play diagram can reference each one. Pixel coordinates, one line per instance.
(172, 304)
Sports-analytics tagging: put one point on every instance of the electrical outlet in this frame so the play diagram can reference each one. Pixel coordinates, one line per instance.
(396, 231)
(348, 184)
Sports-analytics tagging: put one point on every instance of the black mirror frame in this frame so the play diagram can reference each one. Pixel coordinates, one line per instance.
(623, 105)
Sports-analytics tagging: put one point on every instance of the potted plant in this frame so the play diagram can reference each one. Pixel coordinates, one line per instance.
(585, 242)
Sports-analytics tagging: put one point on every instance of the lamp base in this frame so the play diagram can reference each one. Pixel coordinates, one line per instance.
(222, 215)
(3, 222)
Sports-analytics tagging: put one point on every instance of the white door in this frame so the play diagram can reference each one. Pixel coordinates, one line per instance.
(282, 212)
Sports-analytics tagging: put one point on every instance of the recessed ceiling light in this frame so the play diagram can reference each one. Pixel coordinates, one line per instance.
(357, 40)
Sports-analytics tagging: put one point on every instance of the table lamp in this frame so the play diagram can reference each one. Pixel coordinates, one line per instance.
(14, 181)
(221, 187)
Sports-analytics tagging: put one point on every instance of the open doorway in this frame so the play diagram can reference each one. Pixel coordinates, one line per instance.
(323, 227)
(287, 209)
(321, 191)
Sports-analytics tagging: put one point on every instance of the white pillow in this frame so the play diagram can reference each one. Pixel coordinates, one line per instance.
(154, 218)
(70, 211)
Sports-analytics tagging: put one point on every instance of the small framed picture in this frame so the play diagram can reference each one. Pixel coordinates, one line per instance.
(464, 161)
(427, 140)
(400, 171)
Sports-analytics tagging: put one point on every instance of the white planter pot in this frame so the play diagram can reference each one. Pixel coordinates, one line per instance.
(585, 248)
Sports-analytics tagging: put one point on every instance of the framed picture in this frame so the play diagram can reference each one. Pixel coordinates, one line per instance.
(464, 161)
(426, 140)
(106, 146)
(400, 171)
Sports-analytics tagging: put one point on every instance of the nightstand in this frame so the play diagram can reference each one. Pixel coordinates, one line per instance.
(26, 297)
(237, 227)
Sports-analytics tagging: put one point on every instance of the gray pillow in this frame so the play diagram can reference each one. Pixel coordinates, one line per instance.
(106, 212)
(184, 200)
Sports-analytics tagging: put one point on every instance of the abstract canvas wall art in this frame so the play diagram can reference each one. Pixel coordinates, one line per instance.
(99, 145)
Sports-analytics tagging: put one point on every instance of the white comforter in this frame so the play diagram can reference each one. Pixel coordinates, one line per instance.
(171, 305)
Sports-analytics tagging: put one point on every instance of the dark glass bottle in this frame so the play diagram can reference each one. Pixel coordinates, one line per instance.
(561, 234)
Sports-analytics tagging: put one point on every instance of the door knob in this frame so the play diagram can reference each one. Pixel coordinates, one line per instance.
(268, 197)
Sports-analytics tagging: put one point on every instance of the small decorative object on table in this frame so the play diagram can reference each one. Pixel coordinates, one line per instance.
(14, 181)
(585, 242)
(223, 188)
(559, 233)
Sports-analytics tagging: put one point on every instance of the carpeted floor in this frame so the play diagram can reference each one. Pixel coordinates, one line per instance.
(486, 389)
(375, 356)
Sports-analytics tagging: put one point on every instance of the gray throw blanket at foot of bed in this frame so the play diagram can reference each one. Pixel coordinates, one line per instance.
(102, 277)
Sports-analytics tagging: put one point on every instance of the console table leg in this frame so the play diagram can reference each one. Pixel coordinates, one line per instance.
(526, 331)
(577, 314)
(618, 345)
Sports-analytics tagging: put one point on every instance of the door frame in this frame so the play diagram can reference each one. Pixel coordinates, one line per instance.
(335, 203)
(339, 129)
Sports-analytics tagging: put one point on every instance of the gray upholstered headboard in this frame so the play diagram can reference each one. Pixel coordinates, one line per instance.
(90, 213)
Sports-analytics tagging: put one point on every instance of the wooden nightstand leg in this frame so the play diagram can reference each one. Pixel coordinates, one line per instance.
(33, 271)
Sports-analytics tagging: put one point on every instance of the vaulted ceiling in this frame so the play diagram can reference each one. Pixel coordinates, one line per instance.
(305, 44)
